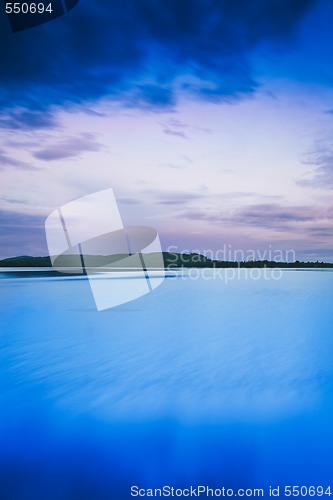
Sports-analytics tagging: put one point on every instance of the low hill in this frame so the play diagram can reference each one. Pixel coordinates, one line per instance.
(171, 260)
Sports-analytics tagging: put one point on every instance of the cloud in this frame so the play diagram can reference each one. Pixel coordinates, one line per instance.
(176, 133)
(129, 201)
(21, 119)
(7, 161)
(316, 253)
(321, 231)
(204, 196)
(272, 216)
(164, 197)
(68, 148)
(181, 129)
(322, 175)
(28, 229)
(139, 52)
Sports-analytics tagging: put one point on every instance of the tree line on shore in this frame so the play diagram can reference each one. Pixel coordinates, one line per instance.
(171, 260)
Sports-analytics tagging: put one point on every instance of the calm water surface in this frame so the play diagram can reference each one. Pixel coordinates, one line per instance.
(200, 382)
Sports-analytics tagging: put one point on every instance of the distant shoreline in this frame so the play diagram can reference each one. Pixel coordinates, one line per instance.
(171, 261)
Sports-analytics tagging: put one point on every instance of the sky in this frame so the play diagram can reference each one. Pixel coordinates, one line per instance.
(212, 120)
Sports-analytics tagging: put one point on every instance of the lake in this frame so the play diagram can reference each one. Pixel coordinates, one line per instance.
(204, 381)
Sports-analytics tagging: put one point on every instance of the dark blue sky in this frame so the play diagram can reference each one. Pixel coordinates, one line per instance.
(107, 48)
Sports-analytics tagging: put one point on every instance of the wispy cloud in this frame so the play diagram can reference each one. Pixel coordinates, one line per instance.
(175, 127)
(129, 201)
(23, 119)
(275, 217)
(322, 174)
(176, 133)
(181, 129)
(164, 197)
(68, 148)
(8, 161)
(28, 229)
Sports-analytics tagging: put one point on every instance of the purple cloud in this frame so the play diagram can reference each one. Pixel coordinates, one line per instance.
(69, 148)
(7, 161)
(271, 216)
(322, 175)
(23, 228)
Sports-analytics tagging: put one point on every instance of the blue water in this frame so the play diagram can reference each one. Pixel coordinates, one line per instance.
(199, 382)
